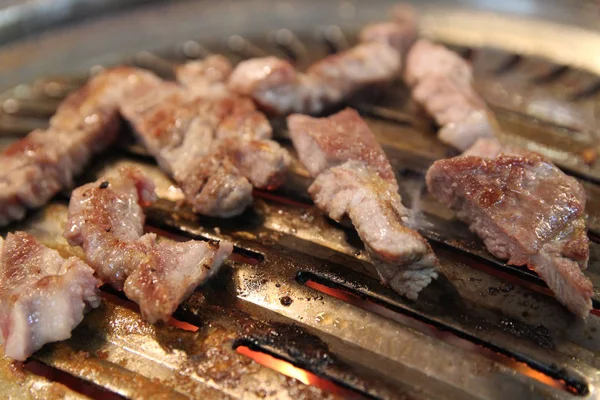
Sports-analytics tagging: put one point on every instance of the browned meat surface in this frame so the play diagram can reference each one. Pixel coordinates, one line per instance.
(403, 258)
(107, 220)
(43, 296)
(278, 87)
(441, 82)
(400, 33)
(206, 144)
(179, 125)
(35, 168)
(322, 143)
(527, 212)
(173, 272)
(105, 217)
(355, 179)
(206, 78)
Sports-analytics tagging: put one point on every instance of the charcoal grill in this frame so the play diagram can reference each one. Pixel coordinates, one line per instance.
(298, 312)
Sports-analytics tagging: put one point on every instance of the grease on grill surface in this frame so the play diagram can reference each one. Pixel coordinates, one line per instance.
(283, 234)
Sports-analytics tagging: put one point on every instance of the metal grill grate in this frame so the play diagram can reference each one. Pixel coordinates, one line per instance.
(299, 287)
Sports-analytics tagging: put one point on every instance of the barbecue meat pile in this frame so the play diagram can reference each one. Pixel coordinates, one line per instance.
(216, 149)
(43, 296)
(355, 179)
(526, 211)
(277, 87)
(107, 220)
(440, 81)
(215, 144)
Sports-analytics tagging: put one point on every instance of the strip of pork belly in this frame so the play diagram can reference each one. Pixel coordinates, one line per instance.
(43, 296)
(277, 87)
(205, 143)
(441, 81)
(38, 166)
(354, 179)
(106, 218)
(527, 212)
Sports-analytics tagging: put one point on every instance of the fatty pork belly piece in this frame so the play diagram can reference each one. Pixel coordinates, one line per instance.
(441, 81)
(38, 166)
(277, 87)
(354, 179)
(43, 296)
(527, 212)
(106, 218)
(171, 274)
(205, 144)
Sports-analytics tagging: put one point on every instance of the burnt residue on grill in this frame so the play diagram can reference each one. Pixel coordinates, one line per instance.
(538, 334)
(292, 343)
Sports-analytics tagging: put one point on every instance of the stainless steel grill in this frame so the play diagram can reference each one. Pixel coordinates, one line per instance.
(298, 296)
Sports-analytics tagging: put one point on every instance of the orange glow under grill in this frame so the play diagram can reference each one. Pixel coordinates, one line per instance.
(448, 337)
(186, 326)
(300, 374)
(279, 199)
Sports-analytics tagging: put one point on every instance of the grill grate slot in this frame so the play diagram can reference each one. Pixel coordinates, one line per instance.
(273, 358)
(360, 298)
(89, 390)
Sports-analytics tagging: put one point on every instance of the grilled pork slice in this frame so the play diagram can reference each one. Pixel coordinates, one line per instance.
(38, 166)
(172, 273)
(402, 257)
(105, 217)
(400, 33)
(207, 77)
(43, 296)
(107, 220)
(441, 81)
(527, 212)
(354, 179)
(206, 143)
(277, 86)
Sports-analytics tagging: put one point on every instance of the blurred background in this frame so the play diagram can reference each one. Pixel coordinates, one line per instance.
(40, 37)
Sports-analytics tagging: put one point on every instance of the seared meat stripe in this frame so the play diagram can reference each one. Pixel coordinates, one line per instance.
(107, 220)
(36, 167)
(43, 296)
(441, 81)
(525, 210)
(354, 179)
(216, 149)
(217, 176)
(277, 87)
(400, 33)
